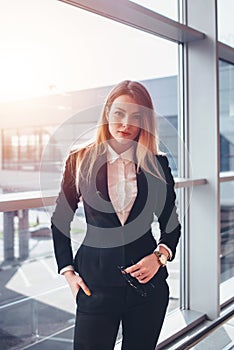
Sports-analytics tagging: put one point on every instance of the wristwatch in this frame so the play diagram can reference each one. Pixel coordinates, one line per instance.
(161, 258)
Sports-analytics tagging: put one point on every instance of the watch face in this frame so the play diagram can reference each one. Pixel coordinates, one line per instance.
(163, 259)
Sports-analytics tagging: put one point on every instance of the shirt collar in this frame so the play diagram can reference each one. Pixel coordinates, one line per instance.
(112, 156)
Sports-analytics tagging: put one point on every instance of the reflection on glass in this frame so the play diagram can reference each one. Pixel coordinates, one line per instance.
(174, 282)
(168, 8)
(43, 148)
(174, 268)
(226, 86)
(227, 230)
(36, 319)
(88, 51)
(72, 68)
(25, 234)
(225, 21)
(75, 78)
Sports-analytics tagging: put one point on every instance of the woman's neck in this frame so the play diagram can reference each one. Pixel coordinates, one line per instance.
(120, 147)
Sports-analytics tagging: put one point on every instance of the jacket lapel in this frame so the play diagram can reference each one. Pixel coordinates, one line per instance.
(102, 188)
(141, 198)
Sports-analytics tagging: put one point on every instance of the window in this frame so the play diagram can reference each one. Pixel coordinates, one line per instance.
(168, 8)
(62, 74)
(71, 77)
(227, 240)
(22, 148)
(225, 22)
(226, 85)
(54, 79)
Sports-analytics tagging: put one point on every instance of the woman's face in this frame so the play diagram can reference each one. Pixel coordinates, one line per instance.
(124, 119)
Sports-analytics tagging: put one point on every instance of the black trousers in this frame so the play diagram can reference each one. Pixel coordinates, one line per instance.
(98, 317)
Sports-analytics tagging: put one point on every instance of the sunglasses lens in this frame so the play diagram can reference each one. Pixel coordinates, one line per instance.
(133, 282)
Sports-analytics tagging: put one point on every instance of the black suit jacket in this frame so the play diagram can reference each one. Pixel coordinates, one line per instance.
(107, 243)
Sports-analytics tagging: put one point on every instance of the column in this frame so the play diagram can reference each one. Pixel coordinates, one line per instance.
(23, 234)
(8, 235)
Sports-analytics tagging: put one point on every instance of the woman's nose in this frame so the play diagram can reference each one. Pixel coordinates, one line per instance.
(126, 120)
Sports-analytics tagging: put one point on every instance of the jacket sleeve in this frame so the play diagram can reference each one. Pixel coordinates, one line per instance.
(62, 217)
(168, 219)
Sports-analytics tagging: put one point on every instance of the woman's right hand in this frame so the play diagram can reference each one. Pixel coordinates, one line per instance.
(76, 282)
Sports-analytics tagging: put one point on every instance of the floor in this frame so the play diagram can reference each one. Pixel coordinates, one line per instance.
(221, 338)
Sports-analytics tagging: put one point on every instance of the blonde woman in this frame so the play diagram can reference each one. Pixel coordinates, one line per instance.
(119, 272)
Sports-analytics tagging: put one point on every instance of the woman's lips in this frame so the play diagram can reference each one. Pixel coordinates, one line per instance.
(124, 133)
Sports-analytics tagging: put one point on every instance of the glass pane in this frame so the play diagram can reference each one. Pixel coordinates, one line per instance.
(168, 8)
(29, 280)
(50, 76)
(225, 21)
(174, 268)
(226, 86)
(36, 318)
(69, 76)
(79, 54)
(227, 240)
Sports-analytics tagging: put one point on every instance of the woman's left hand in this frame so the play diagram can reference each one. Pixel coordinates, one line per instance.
(145, 269)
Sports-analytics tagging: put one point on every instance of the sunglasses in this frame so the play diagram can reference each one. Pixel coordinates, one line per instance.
(133, 282)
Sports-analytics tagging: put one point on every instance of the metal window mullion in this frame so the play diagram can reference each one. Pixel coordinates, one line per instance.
(184, 263)
(203, 135)
(186, 166)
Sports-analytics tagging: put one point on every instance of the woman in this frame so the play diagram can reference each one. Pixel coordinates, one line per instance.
(119, 272)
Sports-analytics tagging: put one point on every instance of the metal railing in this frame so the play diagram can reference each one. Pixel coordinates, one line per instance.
(37, 199)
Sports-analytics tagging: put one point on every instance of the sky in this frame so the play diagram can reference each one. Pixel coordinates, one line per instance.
(51, 47)
(48, 46)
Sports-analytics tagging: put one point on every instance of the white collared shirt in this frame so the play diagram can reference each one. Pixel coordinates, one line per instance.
(122, 182)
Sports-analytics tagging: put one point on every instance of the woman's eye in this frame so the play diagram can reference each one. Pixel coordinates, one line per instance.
(118, 114)
(136, 118)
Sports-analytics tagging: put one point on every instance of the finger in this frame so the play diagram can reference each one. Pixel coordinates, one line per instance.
(137, 274)
(84, 286)
(140, 278)
(132, 269)
(144, 279)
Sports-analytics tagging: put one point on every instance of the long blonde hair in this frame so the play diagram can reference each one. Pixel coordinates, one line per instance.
(147, 143)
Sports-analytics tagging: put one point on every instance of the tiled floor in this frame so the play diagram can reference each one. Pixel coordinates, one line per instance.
(62, 341)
